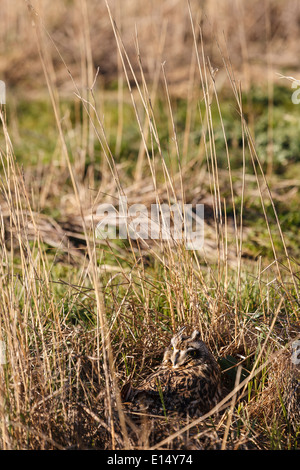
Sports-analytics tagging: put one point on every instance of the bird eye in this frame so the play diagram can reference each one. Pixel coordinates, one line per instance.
(193, 353)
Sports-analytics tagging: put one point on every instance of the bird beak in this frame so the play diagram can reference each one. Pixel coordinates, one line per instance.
(175, 359)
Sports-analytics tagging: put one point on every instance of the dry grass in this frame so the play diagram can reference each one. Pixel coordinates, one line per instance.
(79, 315)
(255, 32)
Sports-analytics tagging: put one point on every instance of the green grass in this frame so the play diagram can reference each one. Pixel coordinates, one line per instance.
(80, 316)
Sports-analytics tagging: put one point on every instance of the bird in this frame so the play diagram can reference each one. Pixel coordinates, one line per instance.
(186, 383)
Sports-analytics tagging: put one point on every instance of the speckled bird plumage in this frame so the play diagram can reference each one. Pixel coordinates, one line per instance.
(187, 382)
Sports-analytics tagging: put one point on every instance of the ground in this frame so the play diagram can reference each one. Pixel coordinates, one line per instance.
(79, 315)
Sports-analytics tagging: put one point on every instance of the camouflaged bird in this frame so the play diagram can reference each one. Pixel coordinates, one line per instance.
(187, 382)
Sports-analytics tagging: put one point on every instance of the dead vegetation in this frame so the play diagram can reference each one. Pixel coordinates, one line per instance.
(255, 32)
(79, 315)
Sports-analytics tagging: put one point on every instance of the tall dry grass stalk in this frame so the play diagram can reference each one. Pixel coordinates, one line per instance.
(60, 385)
